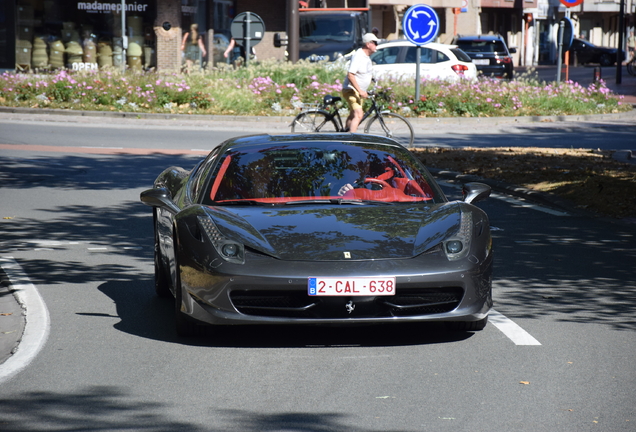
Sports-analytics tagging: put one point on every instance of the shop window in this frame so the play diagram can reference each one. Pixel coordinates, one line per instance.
(85, 35)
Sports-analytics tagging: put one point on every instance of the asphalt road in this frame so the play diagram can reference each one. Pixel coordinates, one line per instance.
(557, 354)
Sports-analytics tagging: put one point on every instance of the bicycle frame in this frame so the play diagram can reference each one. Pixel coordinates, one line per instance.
(334, 114)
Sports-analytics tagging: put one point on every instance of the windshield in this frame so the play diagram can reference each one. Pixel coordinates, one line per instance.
(293, 172)
(482, 46)
(325, 28)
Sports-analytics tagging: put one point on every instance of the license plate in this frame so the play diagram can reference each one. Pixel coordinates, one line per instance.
(352, 286)
(481, 62)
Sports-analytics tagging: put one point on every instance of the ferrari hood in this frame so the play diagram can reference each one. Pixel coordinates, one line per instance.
(325, 233)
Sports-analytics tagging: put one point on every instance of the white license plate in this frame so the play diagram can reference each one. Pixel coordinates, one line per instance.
(352, 286)
(481, 62)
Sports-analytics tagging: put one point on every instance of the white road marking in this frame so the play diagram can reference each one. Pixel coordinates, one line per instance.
(508, 327)
(37, 327)
(511, 200)
(525, 204)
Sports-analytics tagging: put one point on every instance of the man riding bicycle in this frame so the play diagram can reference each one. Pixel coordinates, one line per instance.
(358, 79)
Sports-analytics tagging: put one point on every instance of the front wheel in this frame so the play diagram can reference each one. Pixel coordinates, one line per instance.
(631, 67)
(184, 326)
(393, 126)
(162, 276)
(313, 121)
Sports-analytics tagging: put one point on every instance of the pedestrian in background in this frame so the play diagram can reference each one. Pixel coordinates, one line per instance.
(631, 46)
(192, 46)
(358, 79)
(240, 58)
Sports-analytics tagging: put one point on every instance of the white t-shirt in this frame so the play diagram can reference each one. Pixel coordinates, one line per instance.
(362, 67)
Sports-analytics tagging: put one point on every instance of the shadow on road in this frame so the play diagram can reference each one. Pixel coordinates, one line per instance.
(143, 314)
(112, 408)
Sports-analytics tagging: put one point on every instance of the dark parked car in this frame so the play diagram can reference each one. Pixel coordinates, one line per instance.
(587, 52)
(318, 229)
(489, 53)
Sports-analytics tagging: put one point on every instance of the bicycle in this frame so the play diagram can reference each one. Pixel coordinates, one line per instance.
(631, 66)
(326, 118)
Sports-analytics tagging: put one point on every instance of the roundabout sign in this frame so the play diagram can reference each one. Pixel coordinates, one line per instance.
(420, 24)
(571, 3)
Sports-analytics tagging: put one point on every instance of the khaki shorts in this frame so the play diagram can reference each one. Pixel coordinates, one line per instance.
(353, 98)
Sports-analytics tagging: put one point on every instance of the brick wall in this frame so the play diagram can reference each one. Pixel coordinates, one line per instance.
(168, 41)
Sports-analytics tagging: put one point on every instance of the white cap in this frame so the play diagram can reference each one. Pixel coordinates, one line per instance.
(369, 37)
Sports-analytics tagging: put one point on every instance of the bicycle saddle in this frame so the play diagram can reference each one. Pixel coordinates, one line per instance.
(328, 99)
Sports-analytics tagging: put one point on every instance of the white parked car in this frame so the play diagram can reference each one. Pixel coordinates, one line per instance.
(396, 60)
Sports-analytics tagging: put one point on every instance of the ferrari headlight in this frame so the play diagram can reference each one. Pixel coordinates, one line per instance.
(458, 246)
(229, 250)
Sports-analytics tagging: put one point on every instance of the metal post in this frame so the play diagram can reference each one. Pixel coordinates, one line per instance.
(124, 37)
(418, 51)
(248, 39)
(559, 61)
(619, 53)
(293, 32)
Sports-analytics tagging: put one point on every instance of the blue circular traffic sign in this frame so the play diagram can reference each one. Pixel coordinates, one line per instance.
(420, 24)
(571, 3)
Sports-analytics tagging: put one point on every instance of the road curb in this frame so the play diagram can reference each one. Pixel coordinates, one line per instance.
(286, 120)
(36, 320)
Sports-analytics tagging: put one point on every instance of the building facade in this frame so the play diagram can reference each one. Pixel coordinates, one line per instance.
(148, 34)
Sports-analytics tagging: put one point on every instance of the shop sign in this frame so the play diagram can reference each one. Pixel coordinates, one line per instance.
(103, 7)
(85, 66)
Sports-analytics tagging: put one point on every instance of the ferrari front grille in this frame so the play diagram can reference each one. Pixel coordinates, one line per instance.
(424, 301)
(298, 304)
(291, 304)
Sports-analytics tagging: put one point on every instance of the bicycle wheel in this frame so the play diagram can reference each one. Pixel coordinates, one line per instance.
(313, 121)
(393, 126)
(631, 67)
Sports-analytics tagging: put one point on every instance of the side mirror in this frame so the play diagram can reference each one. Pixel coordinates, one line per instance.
(279, 40)
(474, 192)
(159, 197)
(513, 50)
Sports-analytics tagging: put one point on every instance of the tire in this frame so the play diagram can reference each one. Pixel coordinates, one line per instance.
(393, 126)
(184, 326)
(313, 121)
(162, 277)
(631, 68)
(468, 325)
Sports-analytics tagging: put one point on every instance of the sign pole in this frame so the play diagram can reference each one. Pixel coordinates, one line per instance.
(418, 52)
(420, 26)
(124, 38)
(248, 39)
(560, 41)
(568, 4)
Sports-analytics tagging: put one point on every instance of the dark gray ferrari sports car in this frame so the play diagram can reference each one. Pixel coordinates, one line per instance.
(318, 229)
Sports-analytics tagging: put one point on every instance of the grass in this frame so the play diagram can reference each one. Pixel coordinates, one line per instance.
(279, 88)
